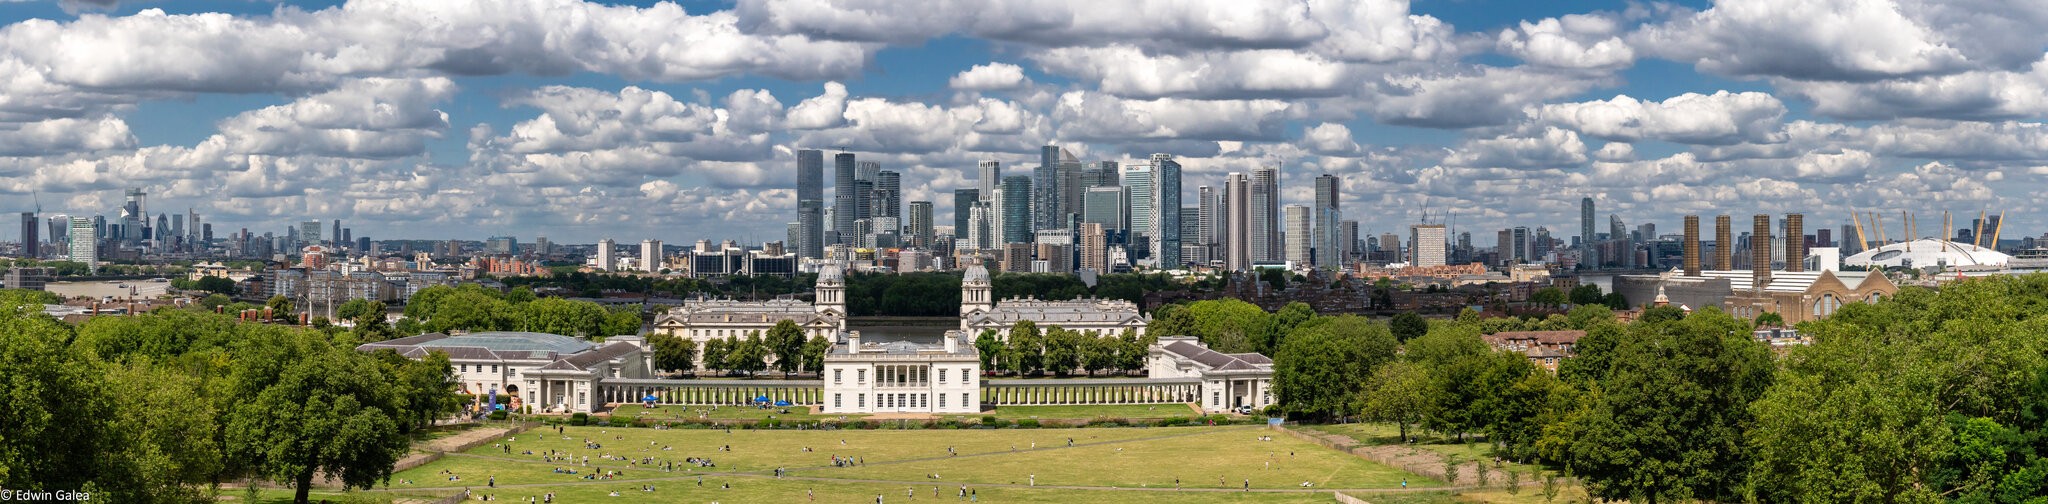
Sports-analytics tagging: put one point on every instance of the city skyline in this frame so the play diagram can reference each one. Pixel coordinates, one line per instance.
(1507, 114)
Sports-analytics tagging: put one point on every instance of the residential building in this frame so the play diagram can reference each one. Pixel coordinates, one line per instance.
(1298, 235)
(1264, 202)
(1427, 240)
(1165, 223)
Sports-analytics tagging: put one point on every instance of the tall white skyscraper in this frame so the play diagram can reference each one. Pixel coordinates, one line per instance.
(1210, 205)
(650, 256)
(1237, 242)
(1298, 238)
(85, 243)
(1166, 211)
(1427, 243)
(606, 259)
(990, 185)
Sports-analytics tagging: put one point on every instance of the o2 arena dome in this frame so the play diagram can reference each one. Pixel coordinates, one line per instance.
(1927, 252)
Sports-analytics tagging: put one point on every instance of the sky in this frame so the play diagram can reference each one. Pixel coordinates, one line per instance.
(679, 121)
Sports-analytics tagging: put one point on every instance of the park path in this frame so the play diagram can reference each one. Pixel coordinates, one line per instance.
(1409, 458)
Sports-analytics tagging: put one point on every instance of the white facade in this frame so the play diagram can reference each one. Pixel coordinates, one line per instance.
(606, 260)
(650, 256)
(1229, 381)
(1094, 317)
(902, 377)
(550, 372)
(703, 320)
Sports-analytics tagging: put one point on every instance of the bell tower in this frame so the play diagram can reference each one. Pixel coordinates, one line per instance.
(831, 289)
(977, 294)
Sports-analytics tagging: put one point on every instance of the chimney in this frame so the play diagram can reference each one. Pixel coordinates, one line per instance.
(1692, 245)
(852, 341)
(1760, 252)
(1795, 243)
(1724, 243)
(953, 341)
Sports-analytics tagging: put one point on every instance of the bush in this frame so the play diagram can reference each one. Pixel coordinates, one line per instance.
(1173, 422)
(498, 415)
(768, 423)
(579, 419)
(990, 420)
(1027, 423)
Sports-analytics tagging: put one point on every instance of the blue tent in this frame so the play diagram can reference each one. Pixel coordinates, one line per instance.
(761, 399)
(781, 403)
(650, 398)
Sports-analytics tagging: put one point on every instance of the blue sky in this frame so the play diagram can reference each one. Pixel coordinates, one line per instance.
(576, 120)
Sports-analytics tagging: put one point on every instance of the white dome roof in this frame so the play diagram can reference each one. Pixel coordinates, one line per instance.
(976, 273)
(1927, 252)
(831, 273)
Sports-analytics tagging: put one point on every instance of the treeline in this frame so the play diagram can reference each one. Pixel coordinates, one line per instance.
(592, 285)
(1926, 396)
(1026, 350)
(167, 405)
(937, 294)
(748, 354)
(472, 307)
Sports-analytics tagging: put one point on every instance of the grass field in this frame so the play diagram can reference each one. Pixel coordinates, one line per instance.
(1105, 465)
(1089, 412)
(1474, 448)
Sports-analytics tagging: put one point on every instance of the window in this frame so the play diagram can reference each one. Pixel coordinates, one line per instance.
(860, 377)
(837, 377)
(494, 368)
(942, 376)
(465, 368)
(835, 402)
(860, 400)
(963, 400)
(942, 400)
(1215, 398)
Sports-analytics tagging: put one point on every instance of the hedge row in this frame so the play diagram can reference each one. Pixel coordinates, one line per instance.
(986, 422)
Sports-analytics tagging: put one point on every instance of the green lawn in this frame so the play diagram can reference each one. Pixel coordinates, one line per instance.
(1091, 412)
(673, 412)
(1147, 459)
(1474, 448)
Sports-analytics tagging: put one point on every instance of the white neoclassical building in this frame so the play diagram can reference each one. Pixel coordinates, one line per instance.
(548, 371)
(902, 377)
(1095, 317)
(1229, 381)
(702, 320)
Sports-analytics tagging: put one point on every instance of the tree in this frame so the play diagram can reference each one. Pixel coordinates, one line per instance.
(163, 442)
(426, 388)
(674, 353)
(1585, 316)
(215, 301)
(990, 347)
(786, 341)
(1026, 350)
(1099, 353)
(1770, 319)
(54, 404)
(1586, 294)
(564, 317)
(1275, 277)
(280, 308)
(748, 355)
(1669, 422)
(328, 412)
(1321, 368)
(1615, 301)
(623, 321)
(1062, 351)
(1295, 314)
(1407, 326)
(1399, 392)
(1228, 325)
(715, 351)
(814, 354)
(1550, 296)
(520, 295)
(1132, 350)
(1172, 320)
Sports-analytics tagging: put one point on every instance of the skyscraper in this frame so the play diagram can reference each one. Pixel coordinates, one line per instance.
(1298, 237)
(31, 239)
(85, 243)
(1016, 212)
(1103, 173)
(1587, 243)
(921, 229)
(309, 232)
(844, 197)
(1237, 242)
(990, 183)
(1347, 243)
(963, 201)
(1265, 213)
(1166, 202)
(1618, 231)
(1094, 250)
(1138, 178)
(607, 259)
(1326, 217)
(336, 235)
(810, 203)
(1071, 189)
(1208, 210)
(1427, 242)
(134, 216)
(1045, 189)
(650, 256)
(1108, 206)
(888, 196)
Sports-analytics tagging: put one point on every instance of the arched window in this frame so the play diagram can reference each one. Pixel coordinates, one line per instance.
(1876, 296)
(1826, 305)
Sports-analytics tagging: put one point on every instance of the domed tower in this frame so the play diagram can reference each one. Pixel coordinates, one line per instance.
(977, 294)
(831, 300)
